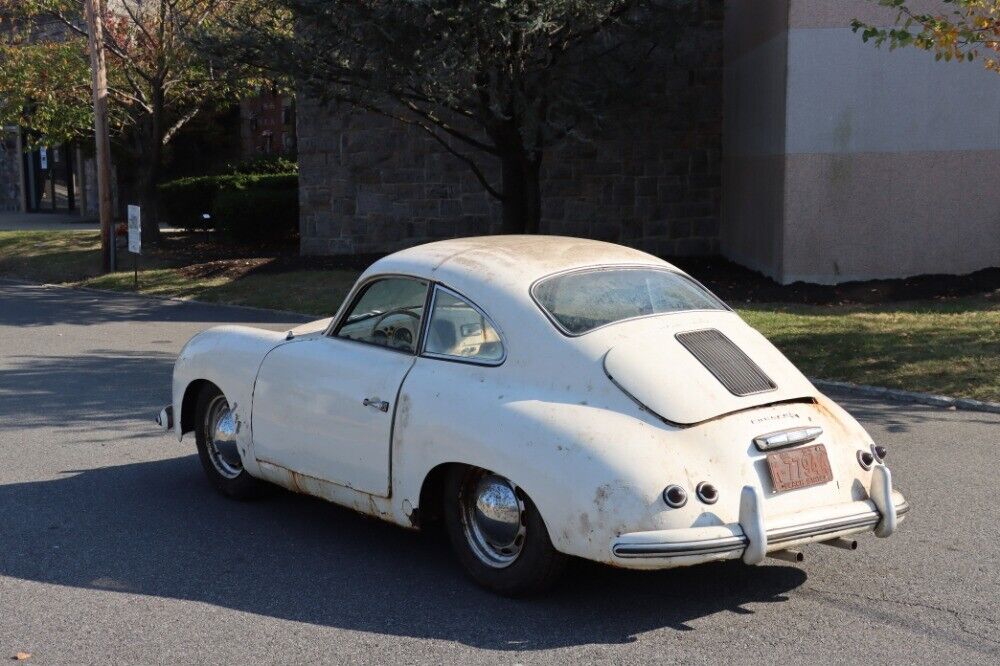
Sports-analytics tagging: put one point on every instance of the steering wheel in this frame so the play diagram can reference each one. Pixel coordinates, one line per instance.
(403, 337)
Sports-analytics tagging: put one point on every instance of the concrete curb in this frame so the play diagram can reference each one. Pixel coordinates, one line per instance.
(295, 316)
(911, 397)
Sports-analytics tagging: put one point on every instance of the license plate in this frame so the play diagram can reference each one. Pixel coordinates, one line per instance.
(799, 468)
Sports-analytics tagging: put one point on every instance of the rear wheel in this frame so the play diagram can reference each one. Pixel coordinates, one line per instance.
(215, 435)
(498, 534)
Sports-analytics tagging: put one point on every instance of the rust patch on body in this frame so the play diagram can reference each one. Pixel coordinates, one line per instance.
(295, 484)
(585, 527)
(404, 410)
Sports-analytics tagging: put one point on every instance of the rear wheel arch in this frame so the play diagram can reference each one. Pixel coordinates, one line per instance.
(432, 491)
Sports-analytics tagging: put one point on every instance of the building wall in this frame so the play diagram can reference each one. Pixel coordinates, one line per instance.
(755, 91)
(888, 160)
(651, 178)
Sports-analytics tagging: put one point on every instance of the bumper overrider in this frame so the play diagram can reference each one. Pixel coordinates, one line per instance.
(752, 540)
(165, 419)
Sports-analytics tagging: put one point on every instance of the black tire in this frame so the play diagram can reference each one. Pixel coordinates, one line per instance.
(537, 566)
(241, 486)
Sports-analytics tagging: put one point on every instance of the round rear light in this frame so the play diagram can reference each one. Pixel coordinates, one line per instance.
(707, 493)
(866, 459)
(675, 496)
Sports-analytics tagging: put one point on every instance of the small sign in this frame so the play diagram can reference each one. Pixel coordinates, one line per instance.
(43, 157)
(134, 230)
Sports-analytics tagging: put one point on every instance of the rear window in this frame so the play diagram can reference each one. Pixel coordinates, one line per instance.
(584, 300)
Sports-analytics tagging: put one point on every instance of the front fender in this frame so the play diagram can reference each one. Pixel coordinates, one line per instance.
(228, 357)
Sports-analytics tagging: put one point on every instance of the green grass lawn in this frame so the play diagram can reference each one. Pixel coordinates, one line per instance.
(47, 256)
(309, 292)
(947, 346)
(950, 347)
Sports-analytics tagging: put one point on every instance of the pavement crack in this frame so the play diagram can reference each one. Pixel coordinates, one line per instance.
(960, 617)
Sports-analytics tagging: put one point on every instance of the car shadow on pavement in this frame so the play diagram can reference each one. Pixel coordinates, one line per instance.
(156, 528)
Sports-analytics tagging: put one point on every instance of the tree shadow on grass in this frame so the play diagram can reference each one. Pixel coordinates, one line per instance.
(156, 528)
(26, 304)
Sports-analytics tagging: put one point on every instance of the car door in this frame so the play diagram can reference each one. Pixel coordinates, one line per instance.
(324, 405)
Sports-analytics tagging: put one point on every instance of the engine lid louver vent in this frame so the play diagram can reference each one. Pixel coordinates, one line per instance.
(727, 362)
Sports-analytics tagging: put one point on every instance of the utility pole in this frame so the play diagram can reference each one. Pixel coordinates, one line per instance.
(95, 25)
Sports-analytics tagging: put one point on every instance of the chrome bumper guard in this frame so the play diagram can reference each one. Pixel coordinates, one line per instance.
(749, 538)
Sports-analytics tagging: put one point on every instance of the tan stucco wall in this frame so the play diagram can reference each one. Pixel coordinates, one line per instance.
(840, 13)
(856, 216)
(868, 163)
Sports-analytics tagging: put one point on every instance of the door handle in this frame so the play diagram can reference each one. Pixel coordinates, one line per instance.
(380, 405)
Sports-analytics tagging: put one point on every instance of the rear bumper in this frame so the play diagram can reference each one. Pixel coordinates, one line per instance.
(751, 539)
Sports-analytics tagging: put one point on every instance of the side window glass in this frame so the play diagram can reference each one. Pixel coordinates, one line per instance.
(387, 314)
(459, 330)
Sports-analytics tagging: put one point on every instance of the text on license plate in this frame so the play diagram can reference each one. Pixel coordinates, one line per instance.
(799, 468)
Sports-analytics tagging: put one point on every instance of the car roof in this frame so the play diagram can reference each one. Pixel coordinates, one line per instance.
(509, 264)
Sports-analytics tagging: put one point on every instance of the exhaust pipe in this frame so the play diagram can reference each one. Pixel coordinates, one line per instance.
(841, 542)
(788, 555)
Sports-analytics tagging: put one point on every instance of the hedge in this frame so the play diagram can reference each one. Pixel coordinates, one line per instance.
(269, 208)
(257, 213)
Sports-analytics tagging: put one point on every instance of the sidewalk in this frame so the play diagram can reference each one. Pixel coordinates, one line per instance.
(45, 222)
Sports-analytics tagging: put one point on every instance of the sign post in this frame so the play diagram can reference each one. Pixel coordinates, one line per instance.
(135, 238)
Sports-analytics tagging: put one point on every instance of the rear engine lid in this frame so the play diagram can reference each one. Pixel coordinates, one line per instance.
(687, 376)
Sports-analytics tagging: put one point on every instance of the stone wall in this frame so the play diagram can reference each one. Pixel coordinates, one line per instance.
(10, 172)
(650, 179)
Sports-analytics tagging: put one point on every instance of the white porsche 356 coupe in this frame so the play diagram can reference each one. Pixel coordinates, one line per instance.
(543, 397)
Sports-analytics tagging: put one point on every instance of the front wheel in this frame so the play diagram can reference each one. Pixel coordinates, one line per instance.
(215, 435)
(498, 534)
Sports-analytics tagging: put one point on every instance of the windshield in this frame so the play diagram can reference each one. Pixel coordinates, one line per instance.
(584, 300)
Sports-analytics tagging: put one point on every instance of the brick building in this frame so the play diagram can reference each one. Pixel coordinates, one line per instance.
(267, 125)
(777, 138)
(650, 179)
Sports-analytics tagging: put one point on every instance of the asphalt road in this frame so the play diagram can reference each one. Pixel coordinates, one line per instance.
(113, 549)
(45, 222)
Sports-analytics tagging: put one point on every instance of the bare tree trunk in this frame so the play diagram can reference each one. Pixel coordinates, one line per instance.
(522, 200)
(149, 167)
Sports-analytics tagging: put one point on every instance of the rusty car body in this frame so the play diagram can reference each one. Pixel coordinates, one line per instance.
(546, 397)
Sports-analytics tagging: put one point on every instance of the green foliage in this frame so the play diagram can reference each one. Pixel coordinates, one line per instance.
(244, 206)
(157, 81)
(266, 164)
(45, 87)
(184, 201)
(969, 29)
(257, 212)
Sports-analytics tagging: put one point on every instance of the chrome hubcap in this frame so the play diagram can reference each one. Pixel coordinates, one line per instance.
(220, 438)
(493, 518)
